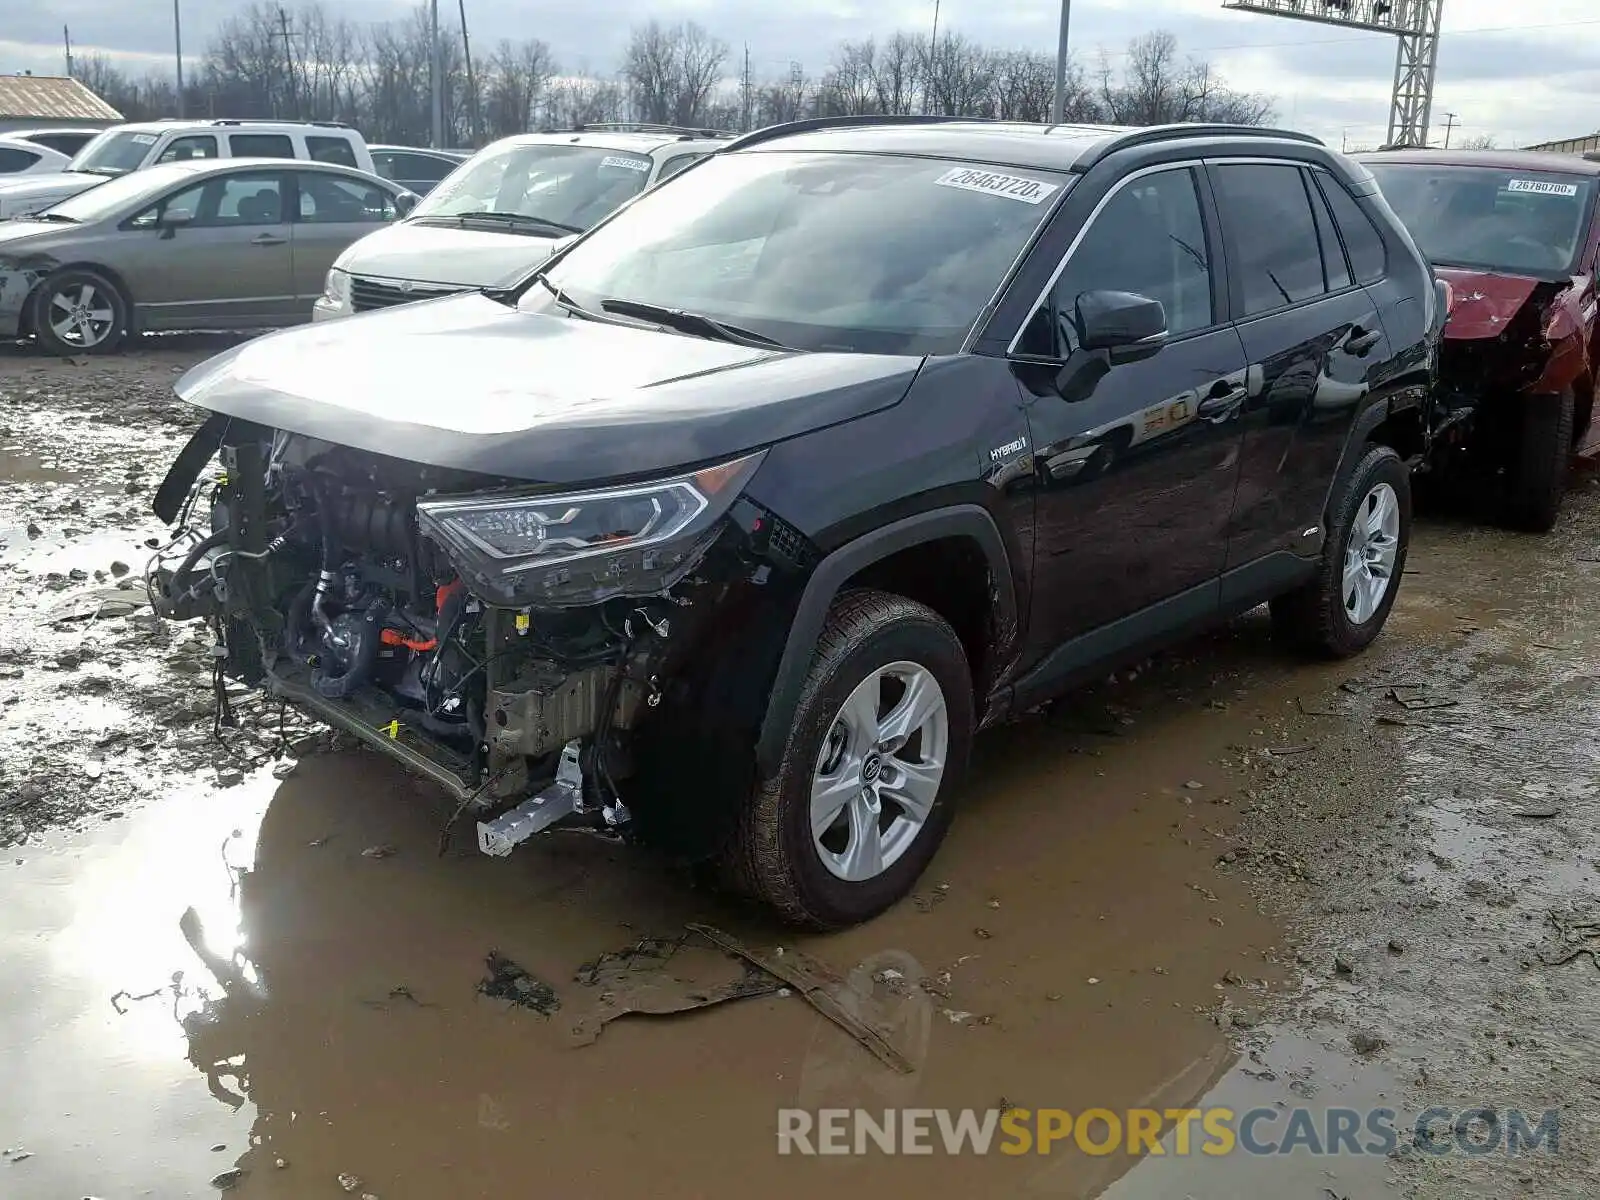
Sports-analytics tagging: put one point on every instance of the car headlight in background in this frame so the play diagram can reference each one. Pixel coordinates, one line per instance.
(336, 289)
(581, 548)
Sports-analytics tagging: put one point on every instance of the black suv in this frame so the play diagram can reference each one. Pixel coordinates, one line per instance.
(730, 526)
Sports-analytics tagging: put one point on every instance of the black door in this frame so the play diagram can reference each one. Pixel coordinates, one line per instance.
(1313, 337)
(1135, 471)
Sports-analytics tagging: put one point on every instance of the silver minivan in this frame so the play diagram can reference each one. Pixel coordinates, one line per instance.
(504, 211)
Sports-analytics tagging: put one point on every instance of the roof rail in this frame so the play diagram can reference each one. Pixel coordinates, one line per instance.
(232, 121)
(1151, 134)
(647, 127)
(809, 124)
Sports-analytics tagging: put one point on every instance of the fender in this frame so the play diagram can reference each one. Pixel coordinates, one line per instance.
(963, 520)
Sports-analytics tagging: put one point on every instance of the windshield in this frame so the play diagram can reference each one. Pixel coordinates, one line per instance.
(832, 251)
(1522, 222)
(113, 153)
(111, 197)
(569, 185)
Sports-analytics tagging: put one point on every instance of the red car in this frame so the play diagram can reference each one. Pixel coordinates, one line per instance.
(1516, 235)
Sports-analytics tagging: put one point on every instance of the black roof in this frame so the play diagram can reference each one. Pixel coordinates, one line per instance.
(1006, 143)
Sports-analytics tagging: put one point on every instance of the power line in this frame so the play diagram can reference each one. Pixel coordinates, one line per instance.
(1366, 37)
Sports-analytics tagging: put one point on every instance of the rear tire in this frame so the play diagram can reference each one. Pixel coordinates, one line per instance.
(79, 311)
(882, 660)
(1537, 481)
(1344, 606)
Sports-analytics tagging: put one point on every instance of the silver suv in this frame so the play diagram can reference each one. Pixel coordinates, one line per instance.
(504, 211)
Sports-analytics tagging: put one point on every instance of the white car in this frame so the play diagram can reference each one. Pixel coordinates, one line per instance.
(124, 148)
(505, 210)
(19, 157)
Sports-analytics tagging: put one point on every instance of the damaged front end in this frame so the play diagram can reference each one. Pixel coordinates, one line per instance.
(506, 641)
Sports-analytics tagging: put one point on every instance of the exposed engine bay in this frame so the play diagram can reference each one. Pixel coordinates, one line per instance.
(500, 641)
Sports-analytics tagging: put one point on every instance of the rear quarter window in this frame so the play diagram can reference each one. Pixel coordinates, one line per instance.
(261, 145)
(1362, 241)
(331, 150)
(13, 160)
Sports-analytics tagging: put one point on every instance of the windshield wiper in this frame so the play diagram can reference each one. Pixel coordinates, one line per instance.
(510, 218)
(562, 299)
(50, 216)
(692, 322)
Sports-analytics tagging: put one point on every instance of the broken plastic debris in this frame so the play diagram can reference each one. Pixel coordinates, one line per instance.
(231, 1178)
(377, 852)
(348, 1181)
(637, 980)
(508, 981)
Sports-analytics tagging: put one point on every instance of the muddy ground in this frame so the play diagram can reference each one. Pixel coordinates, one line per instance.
(1225, 878)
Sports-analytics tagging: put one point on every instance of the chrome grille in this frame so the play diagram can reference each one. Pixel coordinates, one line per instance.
(366, 294)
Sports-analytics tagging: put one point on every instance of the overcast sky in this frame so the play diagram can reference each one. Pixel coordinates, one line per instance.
(1522, 72)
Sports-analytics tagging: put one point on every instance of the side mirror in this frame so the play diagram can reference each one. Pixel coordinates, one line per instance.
(1129, 327)
(405, 202)
(173, 219)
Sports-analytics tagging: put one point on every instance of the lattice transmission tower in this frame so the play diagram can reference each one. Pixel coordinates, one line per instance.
(1415, 26)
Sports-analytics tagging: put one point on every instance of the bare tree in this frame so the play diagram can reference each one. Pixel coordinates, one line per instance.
(789, 99)
(1155, 88)
(961, 77)
(1482, 141)
(899, 72)
(851, 85)
(672, 73)
(583, 101)
(516, 80)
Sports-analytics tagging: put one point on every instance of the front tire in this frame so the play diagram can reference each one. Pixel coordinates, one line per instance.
(80, 312)
(1344, 606)
(1538, 475)
(863, 795)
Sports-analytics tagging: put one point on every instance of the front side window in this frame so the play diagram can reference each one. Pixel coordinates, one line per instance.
(331, 150)
(198, 145)
(870, 253)
(421, 168)
(114, 153)
(1148, 239)
(1271, 232)
(571, 186)
(261, 145)
(1517, 221)
(327, 200)
(673, 165)
(230, 201)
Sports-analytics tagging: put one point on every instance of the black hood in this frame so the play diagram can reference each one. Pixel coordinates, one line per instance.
(469, 384)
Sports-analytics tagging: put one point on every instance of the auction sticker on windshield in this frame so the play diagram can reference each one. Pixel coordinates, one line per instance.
(629, 164)
(1542, 187)
(992, 183)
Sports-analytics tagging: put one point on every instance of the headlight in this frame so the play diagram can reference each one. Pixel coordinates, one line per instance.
(581, 548)
(337, 287)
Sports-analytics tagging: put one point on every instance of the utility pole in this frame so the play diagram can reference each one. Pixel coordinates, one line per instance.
(66, 36)
(745, 127)
(1058, 111)
(288, 62)
(933, 57)
(435, 80)
(177, 50)
(1449, 124)
(472, 82)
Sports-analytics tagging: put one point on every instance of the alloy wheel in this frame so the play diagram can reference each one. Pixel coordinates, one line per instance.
(1370, 553)
(878, 772)
(81, 316)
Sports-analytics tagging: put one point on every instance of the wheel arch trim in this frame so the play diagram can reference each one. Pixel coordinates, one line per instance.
(961, 521)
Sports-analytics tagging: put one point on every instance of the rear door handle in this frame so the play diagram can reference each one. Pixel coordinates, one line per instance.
(1361, 341)
(267, 239)
(1221, 400)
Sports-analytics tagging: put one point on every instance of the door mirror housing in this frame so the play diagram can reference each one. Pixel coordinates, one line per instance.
(173, 219)
(405, 202)
(1127, 326)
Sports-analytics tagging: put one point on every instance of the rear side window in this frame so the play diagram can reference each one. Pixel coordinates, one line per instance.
(261, 145)
(62, 143)
(12, 159)
(1272, 234)
(1361, 237)
(331, 150)
(1334, 267)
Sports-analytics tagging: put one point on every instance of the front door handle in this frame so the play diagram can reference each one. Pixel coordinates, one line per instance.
(1221, 401)
(267, 239)
(1361, 341)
